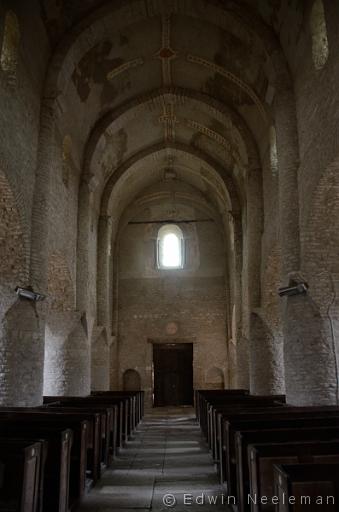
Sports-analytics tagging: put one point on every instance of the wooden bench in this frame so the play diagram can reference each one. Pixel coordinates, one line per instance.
(307, 487)
(20, 467)
(263, 457)
(122, 403)
(247, 402)
(139, 401)
(102, 455)
(54, 485)
(200, 395)
(239, 471)
(40, 422)
(226, 420)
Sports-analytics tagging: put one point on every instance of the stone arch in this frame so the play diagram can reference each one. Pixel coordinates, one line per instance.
(85, 34)
(131, 380)
(215, 378)
(201, 101)
(320, 47)
(10, 46)
(233, 194)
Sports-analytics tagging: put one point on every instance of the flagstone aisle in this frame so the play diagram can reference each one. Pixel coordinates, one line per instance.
(167, 456)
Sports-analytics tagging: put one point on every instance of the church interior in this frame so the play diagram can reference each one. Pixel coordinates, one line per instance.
(169, 255)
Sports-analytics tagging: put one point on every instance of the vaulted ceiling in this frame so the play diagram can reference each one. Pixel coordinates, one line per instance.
(180, 84)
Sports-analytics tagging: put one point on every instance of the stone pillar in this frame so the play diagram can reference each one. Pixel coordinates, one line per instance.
(67, 370)
(235, 273)
(309, 360)
(21, 352)
(22, 332)
(100, 361)
(104, 282)
(266, 350)
(267, 369)
(310, 353)
(84, 228)
(288, 165)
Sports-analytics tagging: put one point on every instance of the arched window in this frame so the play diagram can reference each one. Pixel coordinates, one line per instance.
(320, 48)
(10, 45)
(170, 247)
(273, 151)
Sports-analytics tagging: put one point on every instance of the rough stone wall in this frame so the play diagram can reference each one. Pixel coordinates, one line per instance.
(20, 103)
(172, 305)
(310, 337)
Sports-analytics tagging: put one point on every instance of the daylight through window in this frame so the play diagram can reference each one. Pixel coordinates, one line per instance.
(170, 247)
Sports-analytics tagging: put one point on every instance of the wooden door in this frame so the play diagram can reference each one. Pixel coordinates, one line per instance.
(173, 374)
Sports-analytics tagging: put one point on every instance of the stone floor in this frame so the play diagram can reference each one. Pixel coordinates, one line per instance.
(165, 466)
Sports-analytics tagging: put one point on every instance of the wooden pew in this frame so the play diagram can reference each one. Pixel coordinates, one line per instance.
(307, 487)
(262, 459)
(54, 494)
(220, 402)
(135, 409)
(139, 396)
(239, 472)
(226, 420)
(217, 408)
(123, 404)
(39, 422)
(201, 395)
(20, 463)
(202, 398)
(103, 449)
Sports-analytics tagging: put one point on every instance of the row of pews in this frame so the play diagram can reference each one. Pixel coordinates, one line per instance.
(53, 454)
(270, 455)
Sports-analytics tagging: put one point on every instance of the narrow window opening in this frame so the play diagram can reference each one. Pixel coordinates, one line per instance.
(170, 247)
(320, 49)
(273, 151)
(10, 47)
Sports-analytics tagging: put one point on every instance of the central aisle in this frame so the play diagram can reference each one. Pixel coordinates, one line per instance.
(166, 460)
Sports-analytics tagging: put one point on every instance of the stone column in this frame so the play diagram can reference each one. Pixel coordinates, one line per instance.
(104, 283)
(266, 351)
(100, 361)
(21, 352)
(309, 360)
(22, 321)
(84, 228)
(267, 369)
(235, 273)
(67, 369)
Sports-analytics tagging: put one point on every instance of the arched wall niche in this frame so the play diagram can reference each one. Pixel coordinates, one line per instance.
(131, 380)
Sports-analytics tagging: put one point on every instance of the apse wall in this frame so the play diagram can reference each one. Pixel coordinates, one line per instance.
(171, 306)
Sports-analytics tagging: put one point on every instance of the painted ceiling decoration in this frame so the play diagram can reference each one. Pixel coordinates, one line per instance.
(198, 77)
